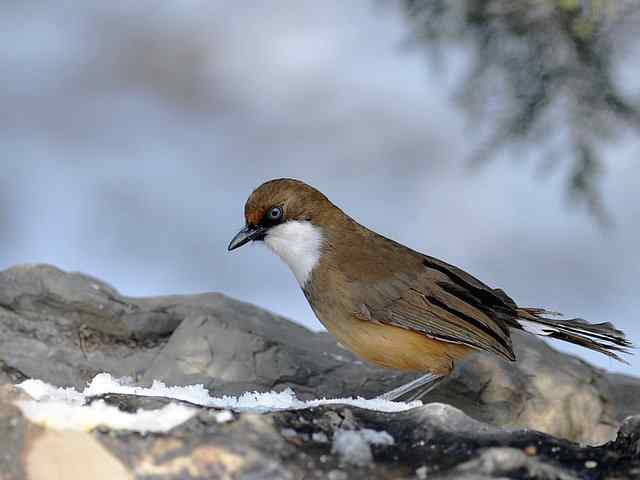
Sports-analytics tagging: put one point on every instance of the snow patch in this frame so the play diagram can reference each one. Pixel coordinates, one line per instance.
(59, 415)
(66, 408)
(41, 391)
(256, 402)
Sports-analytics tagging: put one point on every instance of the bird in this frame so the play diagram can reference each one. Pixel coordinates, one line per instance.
(390, 305)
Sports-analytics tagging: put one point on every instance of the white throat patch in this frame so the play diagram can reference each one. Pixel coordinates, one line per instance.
(299, 244)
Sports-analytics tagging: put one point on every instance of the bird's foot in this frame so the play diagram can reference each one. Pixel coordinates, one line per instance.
(413, 390)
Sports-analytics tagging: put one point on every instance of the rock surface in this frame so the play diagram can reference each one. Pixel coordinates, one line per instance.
(64, 328)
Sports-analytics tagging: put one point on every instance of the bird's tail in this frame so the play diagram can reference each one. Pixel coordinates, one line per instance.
(601, 337)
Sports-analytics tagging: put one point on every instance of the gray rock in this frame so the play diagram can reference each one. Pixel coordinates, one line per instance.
(66, 327)
(545, 390)
(64, 352)
(44, 292)
(503, 462)
(434, 441)
(629, 436)
(12, 434)
(441, 442)
(237, 347)
(232, 347)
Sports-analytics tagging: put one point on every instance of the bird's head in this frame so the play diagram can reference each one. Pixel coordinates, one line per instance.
(288, 215)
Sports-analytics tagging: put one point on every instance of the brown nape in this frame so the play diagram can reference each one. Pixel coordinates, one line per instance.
(298, 200)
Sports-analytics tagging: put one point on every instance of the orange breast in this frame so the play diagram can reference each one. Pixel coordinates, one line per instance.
(397, 348)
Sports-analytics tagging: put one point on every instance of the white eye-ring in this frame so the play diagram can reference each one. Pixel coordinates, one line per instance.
(275, 214)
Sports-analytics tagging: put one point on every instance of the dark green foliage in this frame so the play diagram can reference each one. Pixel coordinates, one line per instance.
(544, 75)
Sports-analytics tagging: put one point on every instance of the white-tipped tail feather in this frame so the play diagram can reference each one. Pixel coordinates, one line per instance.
(535, 328)
(601, 337)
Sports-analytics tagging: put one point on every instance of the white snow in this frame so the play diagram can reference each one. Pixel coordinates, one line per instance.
(59, 415)
(67, 408)
(40, 391)
(104, 383)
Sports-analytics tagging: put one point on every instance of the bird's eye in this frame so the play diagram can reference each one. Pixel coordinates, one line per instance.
(274, 214)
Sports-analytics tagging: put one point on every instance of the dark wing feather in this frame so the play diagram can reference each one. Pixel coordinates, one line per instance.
(443, 302)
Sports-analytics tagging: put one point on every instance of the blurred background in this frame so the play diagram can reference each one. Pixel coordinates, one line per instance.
(500, 136)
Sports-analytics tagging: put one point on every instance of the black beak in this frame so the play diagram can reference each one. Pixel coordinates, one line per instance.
(245, 235)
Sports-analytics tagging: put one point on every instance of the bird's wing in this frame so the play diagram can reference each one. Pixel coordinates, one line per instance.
(446, 303)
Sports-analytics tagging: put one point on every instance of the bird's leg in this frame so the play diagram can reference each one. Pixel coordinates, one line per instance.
(413, 390)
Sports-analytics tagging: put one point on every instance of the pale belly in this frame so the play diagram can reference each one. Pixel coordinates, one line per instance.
(396, 348)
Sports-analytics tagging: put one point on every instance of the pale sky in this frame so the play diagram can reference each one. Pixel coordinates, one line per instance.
(133, 133)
